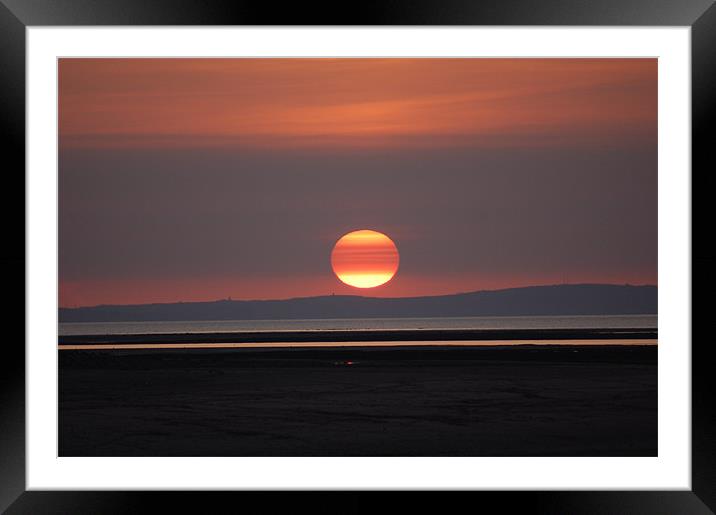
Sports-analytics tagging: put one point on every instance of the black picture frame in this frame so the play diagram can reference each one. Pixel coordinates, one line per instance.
(17, 15)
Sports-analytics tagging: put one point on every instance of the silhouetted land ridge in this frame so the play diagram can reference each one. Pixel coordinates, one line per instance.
(557, 300)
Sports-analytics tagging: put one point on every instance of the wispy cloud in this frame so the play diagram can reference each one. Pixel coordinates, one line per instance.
(328, 103)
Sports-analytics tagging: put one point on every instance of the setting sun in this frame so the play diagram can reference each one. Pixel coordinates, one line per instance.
(365, 259)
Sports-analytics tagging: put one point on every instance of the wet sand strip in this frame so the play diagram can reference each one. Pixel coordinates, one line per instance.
(353, 336)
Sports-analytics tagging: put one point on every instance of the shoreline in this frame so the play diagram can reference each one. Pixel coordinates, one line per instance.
(501, 344)
(357, 336)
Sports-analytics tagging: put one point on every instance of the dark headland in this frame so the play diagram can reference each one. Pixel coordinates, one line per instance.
(557, 300)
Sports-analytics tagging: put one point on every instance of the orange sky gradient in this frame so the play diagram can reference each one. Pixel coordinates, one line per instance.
(352, 103)
(184, 202)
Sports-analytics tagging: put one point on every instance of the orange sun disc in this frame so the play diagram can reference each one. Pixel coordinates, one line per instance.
(365, 259)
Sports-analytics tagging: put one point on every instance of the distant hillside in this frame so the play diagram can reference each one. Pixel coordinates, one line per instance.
(577, 299)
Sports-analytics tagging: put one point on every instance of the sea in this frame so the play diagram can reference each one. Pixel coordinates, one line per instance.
(358, 324)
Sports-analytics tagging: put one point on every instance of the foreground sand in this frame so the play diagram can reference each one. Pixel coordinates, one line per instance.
(509, 401)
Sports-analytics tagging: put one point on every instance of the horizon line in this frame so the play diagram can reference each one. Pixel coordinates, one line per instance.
(230, 299)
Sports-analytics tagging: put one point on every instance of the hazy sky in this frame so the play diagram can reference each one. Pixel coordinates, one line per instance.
(199, 179)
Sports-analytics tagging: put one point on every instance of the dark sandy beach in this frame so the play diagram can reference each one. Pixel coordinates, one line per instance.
(429, 401)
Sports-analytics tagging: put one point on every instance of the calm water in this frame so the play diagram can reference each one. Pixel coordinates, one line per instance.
(231, 326)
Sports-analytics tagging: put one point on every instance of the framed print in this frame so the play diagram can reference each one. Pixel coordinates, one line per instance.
(418, 249)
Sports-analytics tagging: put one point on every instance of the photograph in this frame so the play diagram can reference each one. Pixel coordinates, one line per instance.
(357, 257)
(312, 257)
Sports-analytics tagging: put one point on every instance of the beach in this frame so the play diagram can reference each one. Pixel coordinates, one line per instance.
(430, 400)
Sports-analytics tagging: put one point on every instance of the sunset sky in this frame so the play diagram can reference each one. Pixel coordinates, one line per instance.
(201, 179)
